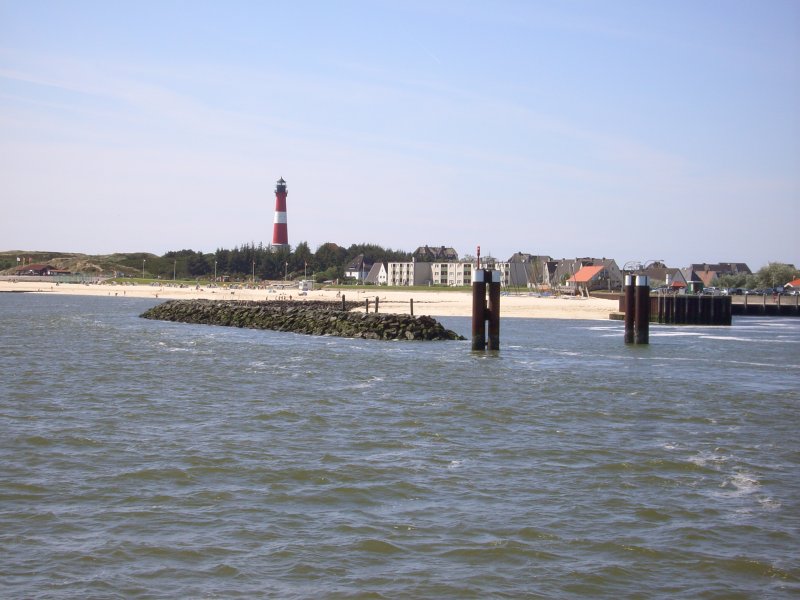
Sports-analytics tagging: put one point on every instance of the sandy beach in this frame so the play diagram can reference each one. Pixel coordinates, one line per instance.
(433, 303)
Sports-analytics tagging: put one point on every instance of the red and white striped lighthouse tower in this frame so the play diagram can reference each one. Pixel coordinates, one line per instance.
(280, 233)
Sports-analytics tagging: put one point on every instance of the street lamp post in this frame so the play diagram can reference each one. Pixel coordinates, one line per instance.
(215, 271)
(174, 268)
(143, 261)
(254, 272)
(286, 271)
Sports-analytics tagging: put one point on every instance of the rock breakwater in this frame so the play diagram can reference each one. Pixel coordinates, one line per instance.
(309, 317)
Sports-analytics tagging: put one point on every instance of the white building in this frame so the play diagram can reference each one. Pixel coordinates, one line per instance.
(377, 275)
(453, 274)
(409, 273)
(357, 269)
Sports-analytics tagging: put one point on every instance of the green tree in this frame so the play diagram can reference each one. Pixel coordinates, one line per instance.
(374, 253)
(268, 263)
(740, 280)
(184, 263)
(197, 265)
(775, 274)
(329, 255)
(331, 274)
(221, 261)
(303, 259)
(272, 263)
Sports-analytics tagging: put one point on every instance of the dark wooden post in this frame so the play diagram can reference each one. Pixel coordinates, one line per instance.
(728, 311)
(376, 303)
(412, 306)
(713, 311)
(494, 309)
(642, 316)
(343, 304)
(367, 305)
(479, 310)
(669, 308)
(692, 309)
(630, 309)
(673, 310)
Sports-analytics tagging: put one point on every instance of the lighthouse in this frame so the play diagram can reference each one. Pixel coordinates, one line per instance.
(280, 234)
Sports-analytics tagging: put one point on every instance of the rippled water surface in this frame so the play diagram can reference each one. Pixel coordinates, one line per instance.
(163, 460)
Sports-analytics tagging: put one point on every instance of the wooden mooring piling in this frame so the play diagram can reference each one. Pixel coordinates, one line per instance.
(679, 309)
(703, 309)
(483, 313)
(637, 309)
(672, 309)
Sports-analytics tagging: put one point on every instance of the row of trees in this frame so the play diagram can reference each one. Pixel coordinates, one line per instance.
(770, 276)
(265, 262)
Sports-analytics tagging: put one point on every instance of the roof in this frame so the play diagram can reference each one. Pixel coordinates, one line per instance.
(357, 264)
(690, 275)
(586, 274)
(659, 273)
(522, 257)
(35, 267)
(374, 272)
(435, 253)
(794, 283)
(722, 268)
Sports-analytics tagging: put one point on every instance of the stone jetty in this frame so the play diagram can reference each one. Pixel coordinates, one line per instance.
(309, 317)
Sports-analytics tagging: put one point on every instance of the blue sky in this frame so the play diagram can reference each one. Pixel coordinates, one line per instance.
(632, 130)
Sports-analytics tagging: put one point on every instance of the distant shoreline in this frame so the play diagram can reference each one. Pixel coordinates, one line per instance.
(432, 303)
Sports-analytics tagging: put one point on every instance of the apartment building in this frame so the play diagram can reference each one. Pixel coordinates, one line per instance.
(452, 273)
(409, 273)
(425, 273)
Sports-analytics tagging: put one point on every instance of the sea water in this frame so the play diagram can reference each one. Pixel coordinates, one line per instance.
(147, 459)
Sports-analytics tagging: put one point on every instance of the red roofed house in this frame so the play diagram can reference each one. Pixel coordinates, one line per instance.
(35, 269)
(560, 273)
(794, 285)
(590, 277)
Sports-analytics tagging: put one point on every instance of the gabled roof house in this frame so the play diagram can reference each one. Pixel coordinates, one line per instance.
(377, 274)
(793, 285)
(357, 268)
(37, 269)
(591, 277)
(435, 254)
(664, 276)
(610, 277)
(708, 272)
